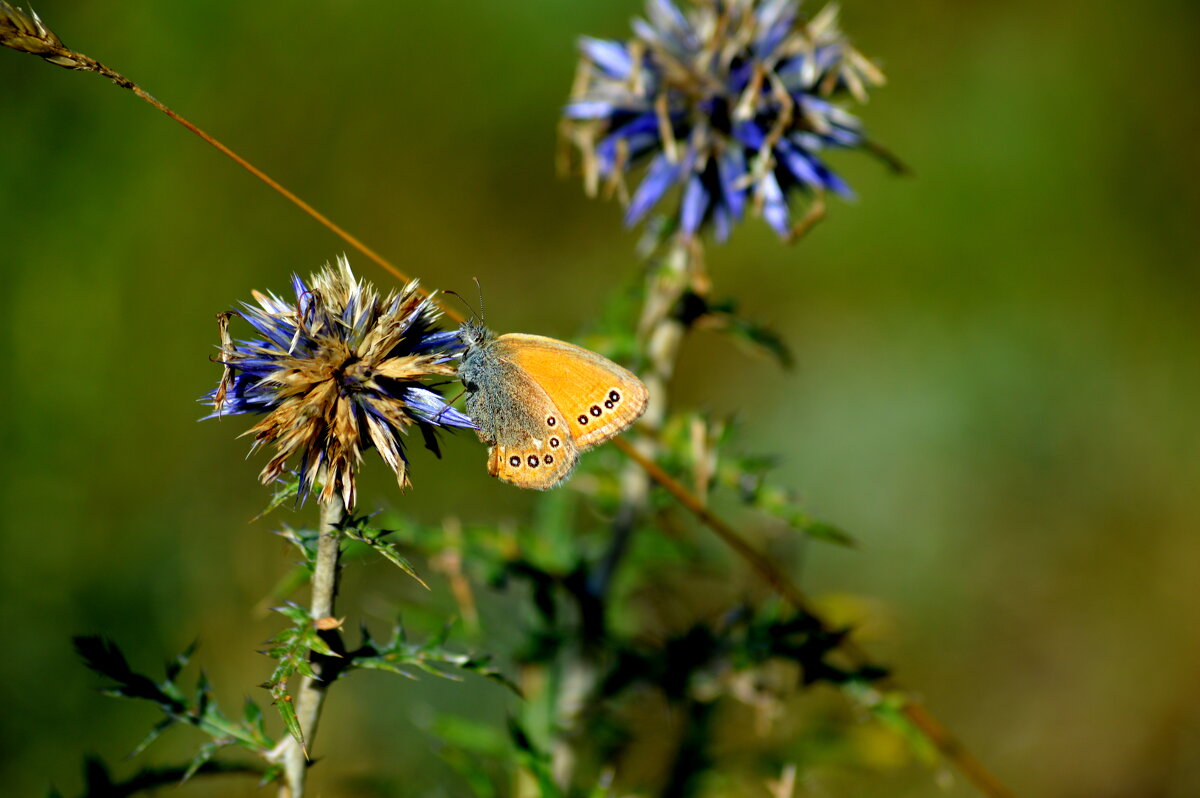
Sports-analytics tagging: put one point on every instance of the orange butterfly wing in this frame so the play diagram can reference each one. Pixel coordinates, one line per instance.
(532, 466)
(530, 446)
(598, 397)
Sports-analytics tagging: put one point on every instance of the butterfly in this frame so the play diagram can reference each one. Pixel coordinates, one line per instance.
(539, 402)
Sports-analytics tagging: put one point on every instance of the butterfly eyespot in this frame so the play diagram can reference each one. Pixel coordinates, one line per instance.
(614, 396)
(595, 411)
(551, 421)
(548, 459)
(514, 461)
(533, 461)
(553, 443)
(583, 419)
(608, 403)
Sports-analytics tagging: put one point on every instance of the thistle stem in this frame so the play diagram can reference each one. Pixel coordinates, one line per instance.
(662, 332)
(310, 697)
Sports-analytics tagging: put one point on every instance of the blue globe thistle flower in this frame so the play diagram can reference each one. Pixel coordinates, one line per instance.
(730, 100)
(335, 371)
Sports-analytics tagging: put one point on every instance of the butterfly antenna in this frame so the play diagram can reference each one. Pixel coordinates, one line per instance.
(479, 288)
(466, 304)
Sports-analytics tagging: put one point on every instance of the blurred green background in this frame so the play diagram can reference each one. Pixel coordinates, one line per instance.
(996, 387)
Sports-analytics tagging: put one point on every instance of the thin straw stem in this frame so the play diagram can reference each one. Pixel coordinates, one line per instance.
(662, 334)
(25, 32)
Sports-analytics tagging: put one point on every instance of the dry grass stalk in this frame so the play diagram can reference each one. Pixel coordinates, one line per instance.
(25, 32)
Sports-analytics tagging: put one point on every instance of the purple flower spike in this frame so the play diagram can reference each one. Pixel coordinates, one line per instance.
(722, 100)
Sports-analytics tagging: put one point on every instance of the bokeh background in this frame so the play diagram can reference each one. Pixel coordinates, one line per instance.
(996, 387)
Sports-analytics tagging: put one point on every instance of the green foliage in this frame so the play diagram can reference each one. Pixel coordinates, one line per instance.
(742, 640)
(723, 317)
(488, 759)
(534, 761)
(358, 530)
(888, 707)
(400, 656)
(287, 489)
(196, 708)
(698, 449)
(291, 649)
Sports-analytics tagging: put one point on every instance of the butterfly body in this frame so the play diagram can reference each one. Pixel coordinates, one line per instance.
(539, 402)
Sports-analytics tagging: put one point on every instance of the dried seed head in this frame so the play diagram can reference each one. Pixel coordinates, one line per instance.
(24, 31)
(335, 372)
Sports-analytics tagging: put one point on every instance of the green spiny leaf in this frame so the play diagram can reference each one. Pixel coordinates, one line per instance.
(271, 774)
(293, 612)
(153, 735)
(288, 489)
(287, 712)
(889, 708)
(173, 667)
(105, 658)
(356, 529)
(312, 638)
(206, 752)
(401, 657)
(252, 718)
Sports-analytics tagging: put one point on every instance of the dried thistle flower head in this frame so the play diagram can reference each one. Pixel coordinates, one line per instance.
(25, 31)
(730, 100)
(336, 371)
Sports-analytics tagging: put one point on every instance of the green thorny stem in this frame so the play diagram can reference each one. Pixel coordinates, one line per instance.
(660, 332)
(310, 696)
(19, 31)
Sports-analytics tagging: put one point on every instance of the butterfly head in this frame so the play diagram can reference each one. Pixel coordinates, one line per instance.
(473, 333)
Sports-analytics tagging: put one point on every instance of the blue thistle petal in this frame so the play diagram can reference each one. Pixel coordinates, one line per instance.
(303, 295)
(669, 19)
(274, 329)
(777, 18)
(722, 223)
(695, 203)
(661, 175)
(800, 164)
(588, 109)
(731, 168)
(749, 134)
(647, 32)
(775, 208)
(431, 407)
(826, 57)
(835, 183)
(797, 74)
(640, 133)
(612, 57)
(447, 340)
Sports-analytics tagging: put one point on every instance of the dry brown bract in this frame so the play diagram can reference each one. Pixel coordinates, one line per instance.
(24, 31)
(336, 371)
